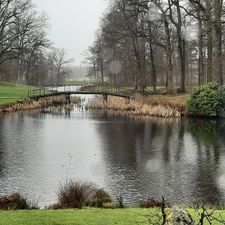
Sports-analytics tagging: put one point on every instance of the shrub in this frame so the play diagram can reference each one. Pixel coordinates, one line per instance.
(100, 198)
(206, 100)
(75, 194)
(55, 206)
(120, 202)
(109, 205)
(15, 202)
(151, 203)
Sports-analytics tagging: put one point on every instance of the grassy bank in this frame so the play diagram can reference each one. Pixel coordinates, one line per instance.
(10, 93)
(86, 217)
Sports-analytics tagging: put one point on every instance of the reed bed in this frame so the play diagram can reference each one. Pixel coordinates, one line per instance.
(33, 104)
(138, 107)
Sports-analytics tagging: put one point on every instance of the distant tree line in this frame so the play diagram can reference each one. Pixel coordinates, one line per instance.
(26, 54)
(171, 43)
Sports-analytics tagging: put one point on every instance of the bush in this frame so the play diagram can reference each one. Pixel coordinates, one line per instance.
(120, 202)
(100, 198)
(109, 205)
(207, 100)
(15, 202)
(75, 194)
(151, 203)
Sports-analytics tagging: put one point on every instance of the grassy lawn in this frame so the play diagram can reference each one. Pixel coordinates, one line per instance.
(86, 217)
(10, 93)
(78, 82)
(75, 217)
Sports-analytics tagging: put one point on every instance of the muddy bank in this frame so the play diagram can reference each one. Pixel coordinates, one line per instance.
(136, 107)
(29, 104)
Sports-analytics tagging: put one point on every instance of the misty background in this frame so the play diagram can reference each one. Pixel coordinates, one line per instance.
(72, 26)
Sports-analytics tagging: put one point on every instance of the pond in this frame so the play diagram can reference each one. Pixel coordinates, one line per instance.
(183, 159)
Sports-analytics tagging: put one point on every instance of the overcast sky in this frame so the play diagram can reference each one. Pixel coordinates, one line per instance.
(73, 23)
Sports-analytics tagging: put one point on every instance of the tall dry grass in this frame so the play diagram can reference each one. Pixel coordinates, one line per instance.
(76, 194)
(32, 104)
(143, 106)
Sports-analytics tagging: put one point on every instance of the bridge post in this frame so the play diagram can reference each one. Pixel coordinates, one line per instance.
(105, 98)
(68, 100)
(127, 100)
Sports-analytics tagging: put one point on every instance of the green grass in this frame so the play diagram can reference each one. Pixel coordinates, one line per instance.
(76, 217)
(86, 217)
(10, 93)
(78, 82)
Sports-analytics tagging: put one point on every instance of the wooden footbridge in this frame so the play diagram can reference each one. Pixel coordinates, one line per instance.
(67, 91)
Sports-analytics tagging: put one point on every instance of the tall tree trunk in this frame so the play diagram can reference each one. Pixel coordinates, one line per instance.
(181, 47)
(152, 57)
(102, 72)
(209, 40)
(168, 58)
(217, 55)
(200, 49)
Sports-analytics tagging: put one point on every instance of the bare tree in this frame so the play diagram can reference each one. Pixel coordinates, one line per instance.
(59, 61)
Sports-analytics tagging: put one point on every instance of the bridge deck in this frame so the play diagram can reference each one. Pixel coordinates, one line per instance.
(77, 93)
(44, 93)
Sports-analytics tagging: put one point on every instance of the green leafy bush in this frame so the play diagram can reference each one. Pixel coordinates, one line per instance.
(207, 100)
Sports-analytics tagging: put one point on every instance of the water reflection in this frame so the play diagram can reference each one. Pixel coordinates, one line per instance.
(137, 158)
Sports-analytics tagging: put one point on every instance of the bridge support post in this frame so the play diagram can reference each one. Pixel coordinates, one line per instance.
(127, 101)
(105, 98)
(68, 100)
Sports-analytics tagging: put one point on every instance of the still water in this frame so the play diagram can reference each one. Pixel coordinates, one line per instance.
(136, 158)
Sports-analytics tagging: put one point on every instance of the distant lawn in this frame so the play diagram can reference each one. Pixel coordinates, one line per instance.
(78, 82)
(109, 89)
(10, 93)
(88, 217)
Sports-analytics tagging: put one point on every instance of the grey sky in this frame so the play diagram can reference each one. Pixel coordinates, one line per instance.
(73, 23)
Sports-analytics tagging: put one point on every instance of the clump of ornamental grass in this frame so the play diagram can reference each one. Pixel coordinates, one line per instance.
(77, 194)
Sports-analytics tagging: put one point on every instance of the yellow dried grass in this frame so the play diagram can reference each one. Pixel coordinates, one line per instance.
(137, 107)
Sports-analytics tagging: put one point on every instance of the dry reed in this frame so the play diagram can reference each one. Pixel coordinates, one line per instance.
(139, 107)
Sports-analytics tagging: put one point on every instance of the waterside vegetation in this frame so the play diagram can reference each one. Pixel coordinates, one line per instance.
(142, 106)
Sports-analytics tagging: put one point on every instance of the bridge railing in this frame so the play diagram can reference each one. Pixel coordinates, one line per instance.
(119, 90)
(37, 92)
(92, 89)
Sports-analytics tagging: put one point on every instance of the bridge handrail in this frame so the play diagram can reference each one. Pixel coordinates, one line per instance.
(98, 89)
